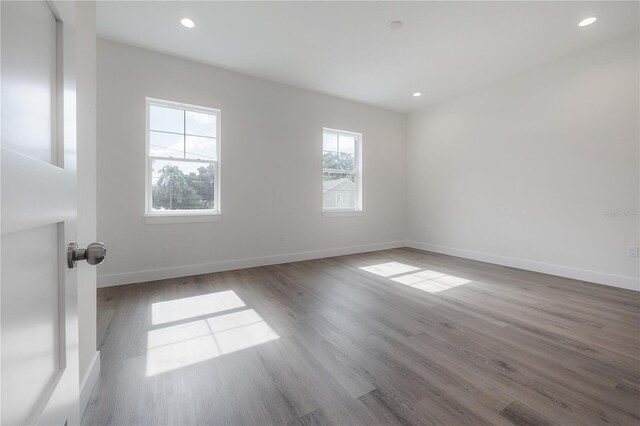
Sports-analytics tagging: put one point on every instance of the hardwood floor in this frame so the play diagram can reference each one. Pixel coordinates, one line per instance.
(391, 337)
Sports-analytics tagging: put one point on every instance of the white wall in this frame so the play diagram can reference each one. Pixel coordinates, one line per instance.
(271, 170)
(86, 119)
(522, 172)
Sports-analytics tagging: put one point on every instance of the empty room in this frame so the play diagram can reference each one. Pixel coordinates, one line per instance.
(320, 213)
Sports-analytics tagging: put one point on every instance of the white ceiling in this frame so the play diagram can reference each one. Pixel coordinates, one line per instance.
(346, 49)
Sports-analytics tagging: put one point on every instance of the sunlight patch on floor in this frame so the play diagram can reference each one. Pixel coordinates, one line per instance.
(189, 307)
(175, 346)
(425, 280)
(439, 282)
(390, 268)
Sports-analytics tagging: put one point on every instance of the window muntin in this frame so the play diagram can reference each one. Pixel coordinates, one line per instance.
(182, 159)
(341, 170)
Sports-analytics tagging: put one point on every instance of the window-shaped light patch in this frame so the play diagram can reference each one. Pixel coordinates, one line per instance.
(181, 345)
(418, 277)
(431, 281)
(240, 330)
(389, 268)
(413, 276)
(191, 307)
(179, 351)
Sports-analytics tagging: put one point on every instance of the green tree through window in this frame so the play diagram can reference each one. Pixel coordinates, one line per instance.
(175, 190)
(338, 165)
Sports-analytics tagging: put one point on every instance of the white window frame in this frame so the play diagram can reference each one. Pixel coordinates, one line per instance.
(358, 205)
(180, 216)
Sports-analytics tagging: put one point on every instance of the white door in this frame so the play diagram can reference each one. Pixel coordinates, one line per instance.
(39, 302)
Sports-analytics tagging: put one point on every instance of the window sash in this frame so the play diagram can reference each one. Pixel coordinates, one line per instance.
(152, 212)
(149, 211)
(356, 172)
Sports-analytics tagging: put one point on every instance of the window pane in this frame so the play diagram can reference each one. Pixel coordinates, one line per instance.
(166, 145)
(330, 142)
(338, 191)
(166, 119)
(201, 124)
(182, 185)
(347, 144)
(201, 148)
(338, 161)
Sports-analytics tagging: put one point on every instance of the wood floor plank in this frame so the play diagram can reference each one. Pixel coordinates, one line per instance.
(518, 414)
(402, 337)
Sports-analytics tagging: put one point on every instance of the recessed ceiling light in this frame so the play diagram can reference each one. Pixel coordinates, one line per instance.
(587, 21)
(395, 25)
(188, 23)
(415, 95)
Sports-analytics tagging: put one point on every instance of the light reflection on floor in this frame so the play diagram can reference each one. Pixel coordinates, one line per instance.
(216, 332)
(189, 307)
(425, 280)
(390, 268)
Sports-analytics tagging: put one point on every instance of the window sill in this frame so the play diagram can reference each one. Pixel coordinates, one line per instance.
(341, 213)
(159, 219)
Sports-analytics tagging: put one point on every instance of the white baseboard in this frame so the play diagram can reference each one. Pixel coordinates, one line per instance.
(89, 382)
(613, 280)
(229, 265)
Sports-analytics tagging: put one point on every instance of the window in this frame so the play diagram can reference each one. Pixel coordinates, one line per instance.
(183, 169)
(341, 171)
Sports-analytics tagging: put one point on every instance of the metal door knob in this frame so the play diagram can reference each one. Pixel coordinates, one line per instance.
(94, 254)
